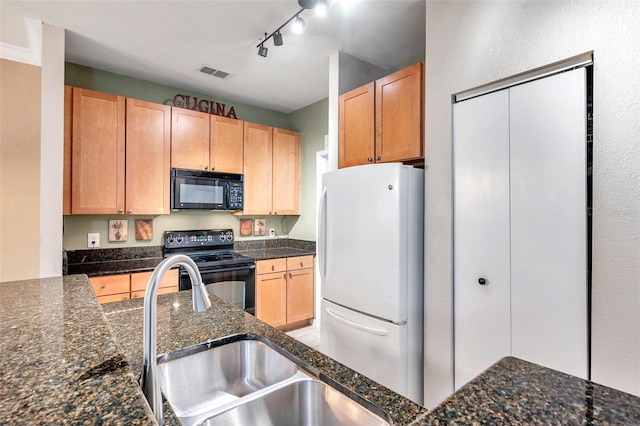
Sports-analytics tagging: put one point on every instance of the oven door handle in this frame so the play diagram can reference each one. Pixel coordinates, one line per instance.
(227, 269)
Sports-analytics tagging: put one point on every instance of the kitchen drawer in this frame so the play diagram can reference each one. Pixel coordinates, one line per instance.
(113, 298)
(139, 280)
(162, 290)
(110, 284)
(300, 262)
(271, 265)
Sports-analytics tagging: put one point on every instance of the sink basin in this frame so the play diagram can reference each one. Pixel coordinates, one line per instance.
(303, 402)
(199, 380)
(247, 382)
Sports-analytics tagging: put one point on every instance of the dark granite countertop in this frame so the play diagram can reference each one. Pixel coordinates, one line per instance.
(97, 262)
(59, 361)
(516, 392)
(178, 327)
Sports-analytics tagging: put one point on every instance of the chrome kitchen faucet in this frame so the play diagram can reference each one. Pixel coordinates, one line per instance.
(148, 380)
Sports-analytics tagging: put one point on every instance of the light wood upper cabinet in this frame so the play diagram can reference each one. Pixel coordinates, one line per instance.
(98, 153)
(271, 170)
(189, 139)
(286, 172)
(226, 145)
(68, 125)
(400, 115)
(148, 150)
(383, 121)
(357, 126)
(258, 149)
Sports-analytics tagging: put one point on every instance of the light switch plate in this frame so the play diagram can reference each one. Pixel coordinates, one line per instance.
(93, 239)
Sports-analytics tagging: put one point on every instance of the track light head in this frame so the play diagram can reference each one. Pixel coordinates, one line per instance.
(277, 39)
(298, 25)
(262, 51)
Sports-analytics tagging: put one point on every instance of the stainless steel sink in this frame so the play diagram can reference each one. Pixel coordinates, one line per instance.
(247, 382)
(301, 403)
(199, 380)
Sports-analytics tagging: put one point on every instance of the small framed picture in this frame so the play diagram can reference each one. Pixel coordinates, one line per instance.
(118, 230)
(246, 227)
(144, 229)
(260, 226)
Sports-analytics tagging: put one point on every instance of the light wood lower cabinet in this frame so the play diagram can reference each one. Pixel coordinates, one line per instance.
(168, 284)
(285, 291)
(111, 288)
(114, 288)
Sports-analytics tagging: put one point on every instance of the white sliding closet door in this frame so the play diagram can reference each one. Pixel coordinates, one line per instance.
(481, 238)
(548, 222)
(519, 217)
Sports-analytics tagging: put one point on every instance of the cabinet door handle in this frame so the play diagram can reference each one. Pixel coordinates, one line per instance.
(206, 167)
(275, 212)
(120, 210)
(290, 276)
(482, 281)
(369, 159)
(377, 158)
(129, 211)
(213, 168)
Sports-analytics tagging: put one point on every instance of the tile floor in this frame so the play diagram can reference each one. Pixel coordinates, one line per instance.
(310, 336)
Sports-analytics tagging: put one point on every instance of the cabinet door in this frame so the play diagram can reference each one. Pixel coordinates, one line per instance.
(68, 125)
(357, 126)
(148, 157)
(98, 151)
(399, 115)
(286, 172)
(226, 145)
(110, 285)
(482, 319)
(299, 295)
(258, 146)
(271, 298)
(189, 139)
(548, 222)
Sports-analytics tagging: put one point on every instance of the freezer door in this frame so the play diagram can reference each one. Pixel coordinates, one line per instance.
(369, 236)
(367, 345)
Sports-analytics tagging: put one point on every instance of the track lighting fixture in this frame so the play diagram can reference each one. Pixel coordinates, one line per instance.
(298, 25)
(321, 7)
(277, 39)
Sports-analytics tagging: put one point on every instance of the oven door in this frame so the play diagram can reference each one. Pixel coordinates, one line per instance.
(228, 283)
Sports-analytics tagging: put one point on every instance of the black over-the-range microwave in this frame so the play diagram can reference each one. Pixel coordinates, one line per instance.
(199, 190)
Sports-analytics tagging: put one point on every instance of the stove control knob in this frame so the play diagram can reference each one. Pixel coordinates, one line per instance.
(171, 240)
(179, 239)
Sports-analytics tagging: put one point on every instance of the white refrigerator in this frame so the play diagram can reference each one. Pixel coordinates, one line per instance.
(370, 253)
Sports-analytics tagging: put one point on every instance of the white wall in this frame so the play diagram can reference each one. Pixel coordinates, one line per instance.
(469, 44)
(51, 150)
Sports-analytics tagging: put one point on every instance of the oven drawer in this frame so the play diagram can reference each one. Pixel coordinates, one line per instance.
(271, 265)
(300, 262)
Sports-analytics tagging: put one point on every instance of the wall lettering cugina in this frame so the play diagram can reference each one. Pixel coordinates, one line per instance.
(203, 105)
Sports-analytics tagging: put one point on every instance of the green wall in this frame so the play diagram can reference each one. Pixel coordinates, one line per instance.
(103, 81)
(311, 121)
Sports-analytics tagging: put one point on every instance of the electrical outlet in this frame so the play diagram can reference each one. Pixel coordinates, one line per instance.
(272, 232)
(93, 239)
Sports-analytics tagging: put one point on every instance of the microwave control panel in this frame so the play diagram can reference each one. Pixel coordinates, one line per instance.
(236, 201)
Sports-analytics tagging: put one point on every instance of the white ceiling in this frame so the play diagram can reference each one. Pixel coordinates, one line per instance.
(169, 41)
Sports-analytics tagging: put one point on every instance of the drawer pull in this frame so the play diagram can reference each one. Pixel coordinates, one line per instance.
(273, 267)
(103, 286)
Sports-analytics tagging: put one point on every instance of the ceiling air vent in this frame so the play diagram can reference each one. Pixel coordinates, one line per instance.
(214, 72)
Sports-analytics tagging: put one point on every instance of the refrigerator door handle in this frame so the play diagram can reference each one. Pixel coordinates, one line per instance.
(371, 330)
(322, 235)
